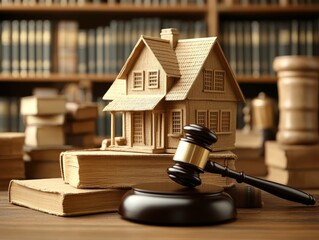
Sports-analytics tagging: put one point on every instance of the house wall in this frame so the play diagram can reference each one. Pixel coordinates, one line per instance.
(200, 100)
(213, 62)
(146, 62)
(226, 141)
(173, 139)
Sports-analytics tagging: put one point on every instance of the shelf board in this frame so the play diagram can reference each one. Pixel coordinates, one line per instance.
(254, 10)
(256, 80)
(59, 78)
(105, 8)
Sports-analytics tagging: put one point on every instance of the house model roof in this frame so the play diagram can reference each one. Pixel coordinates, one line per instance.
(184, 63)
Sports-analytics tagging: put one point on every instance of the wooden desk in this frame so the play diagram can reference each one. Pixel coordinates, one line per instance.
(278, 219)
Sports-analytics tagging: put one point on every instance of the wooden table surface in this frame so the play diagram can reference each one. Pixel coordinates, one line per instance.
(277, 219)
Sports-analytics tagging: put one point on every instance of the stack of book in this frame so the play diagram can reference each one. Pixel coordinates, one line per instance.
(95, 180)
(249, 152)
(293, 165)
(44, 134)
(80, 124)
(11, 157)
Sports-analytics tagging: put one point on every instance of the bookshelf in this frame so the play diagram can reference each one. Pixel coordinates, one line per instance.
(212, 15)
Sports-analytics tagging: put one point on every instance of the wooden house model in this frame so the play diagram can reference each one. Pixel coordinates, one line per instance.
(167, 83)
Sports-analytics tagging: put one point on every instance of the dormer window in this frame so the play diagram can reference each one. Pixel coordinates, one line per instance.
(138, 80)
(214, 80)
(153, 79)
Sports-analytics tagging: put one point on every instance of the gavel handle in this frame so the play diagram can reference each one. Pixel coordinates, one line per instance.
(277, 189)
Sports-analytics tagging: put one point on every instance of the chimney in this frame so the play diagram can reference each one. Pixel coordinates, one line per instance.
(170, 34)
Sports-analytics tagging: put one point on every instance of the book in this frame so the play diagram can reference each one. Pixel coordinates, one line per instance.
(248, 148)
(292, 156)
(297, 178)
(11, 167)
(85, 140)
(46, 47)
(82, 111)
(61, 199)
(6, 44)
(48, 120)
(42, 169)
(67, 34)
(44, 135)
(47, 153)
(79, 127)
(41, 105)
(4, 114)
(94, 168)
(23, 47)
(11, 143)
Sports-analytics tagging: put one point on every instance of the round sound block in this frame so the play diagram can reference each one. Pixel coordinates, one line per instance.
(173, 204)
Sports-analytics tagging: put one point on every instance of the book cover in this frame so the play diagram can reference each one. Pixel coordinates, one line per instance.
(80, 127)
(82, 111)
(61, 199)
(94, 168)
(48, 120)
(44, 135)
(41, 105)
(47, 153)
(291, 157)
(11, 143)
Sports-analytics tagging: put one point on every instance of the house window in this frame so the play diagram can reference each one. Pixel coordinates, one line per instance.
(153, 79)
(214, 80)
(208, 81)
(225, 121)
(201, 118)
(138, 135)
(176, 117)
(219, 80)
(220, 121)
(138, 80)
(213, 120)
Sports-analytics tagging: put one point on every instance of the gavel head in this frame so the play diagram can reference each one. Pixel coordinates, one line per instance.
(192, 155)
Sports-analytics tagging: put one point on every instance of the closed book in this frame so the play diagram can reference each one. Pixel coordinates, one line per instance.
(81, 111)
(94, 168)
(47, 153)
(11, 143)
(18, 38)
(86, 140)
(46, 47)
(296, 178)
(292, 156)
(31, 47)
(4, 114)
(52, 120)
(37, 105)
(23, 47)
(11, 167)
(42, 169)
(61, 199)
(80, 127)
(44, 135)
(6, 42)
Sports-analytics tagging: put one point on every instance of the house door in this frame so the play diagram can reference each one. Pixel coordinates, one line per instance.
(159, 130)
(138, 128)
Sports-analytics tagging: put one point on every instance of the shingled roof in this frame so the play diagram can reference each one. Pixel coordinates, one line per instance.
(184, 64)
(162, 51)
(191, 55)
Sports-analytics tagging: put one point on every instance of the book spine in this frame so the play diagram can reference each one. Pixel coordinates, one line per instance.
(5, 47)
(17, 43)
(23, 48)
(39, 47)
(82, 52)
(31, 47)
(46, 43)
